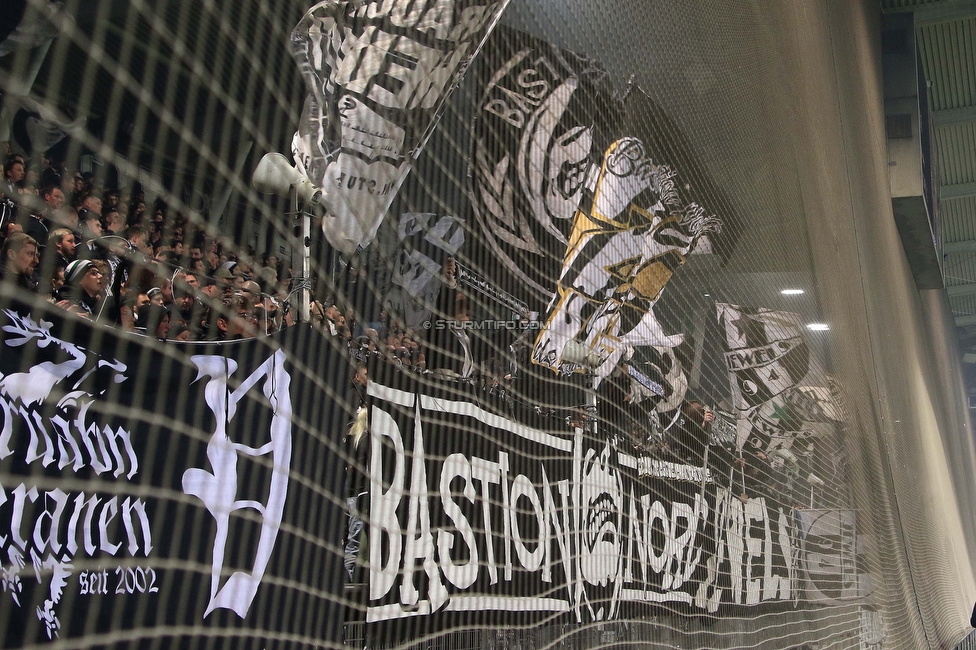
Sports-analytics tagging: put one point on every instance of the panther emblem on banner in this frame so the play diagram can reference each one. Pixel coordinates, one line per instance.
(601, 555)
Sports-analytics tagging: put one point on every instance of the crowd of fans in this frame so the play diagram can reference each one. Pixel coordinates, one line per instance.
(104, 255)
(101, 254)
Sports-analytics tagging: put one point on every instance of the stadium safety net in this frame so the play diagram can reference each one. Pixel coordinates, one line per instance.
(466, 324)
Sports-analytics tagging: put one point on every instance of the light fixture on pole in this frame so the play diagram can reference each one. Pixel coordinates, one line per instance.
(274, 175)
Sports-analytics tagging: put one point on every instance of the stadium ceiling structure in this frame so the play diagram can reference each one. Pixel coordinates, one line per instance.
(944, 33)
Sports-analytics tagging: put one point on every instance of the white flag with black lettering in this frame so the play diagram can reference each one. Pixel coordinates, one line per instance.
(378, 74)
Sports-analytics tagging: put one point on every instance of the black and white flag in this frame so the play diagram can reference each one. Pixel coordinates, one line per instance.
(766, 354)
(25, 24)
(661, 379)
(829, 555)
(528, 518)
(543, 118)
(767, 359)
(425, 242)
(379, 74)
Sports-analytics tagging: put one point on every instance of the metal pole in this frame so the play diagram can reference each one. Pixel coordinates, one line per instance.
(301, 257)
(705, 464)
(743, 471)
(306, 292)
(592, 407)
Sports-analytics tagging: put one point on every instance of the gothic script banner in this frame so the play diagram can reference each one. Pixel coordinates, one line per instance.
(167, 491)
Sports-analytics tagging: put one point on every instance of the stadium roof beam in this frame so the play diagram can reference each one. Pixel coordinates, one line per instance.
(957, 191)
(961, 290)
(944, 12)
(963, 321)
(954, 116)
(963, 246)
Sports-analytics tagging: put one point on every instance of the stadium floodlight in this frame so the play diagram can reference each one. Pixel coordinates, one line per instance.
(274, 175)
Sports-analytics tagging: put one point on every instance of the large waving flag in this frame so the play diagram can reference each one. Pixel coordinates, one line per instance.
(778, 389)
(541, 124)
(378, 74)
(24, 24)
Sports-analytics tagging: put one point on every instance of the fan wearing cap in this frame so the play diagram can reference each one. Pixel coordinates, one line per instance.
(154, 321)
(89, 224)
(231, 319)
(82, 288)
(155, 296)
